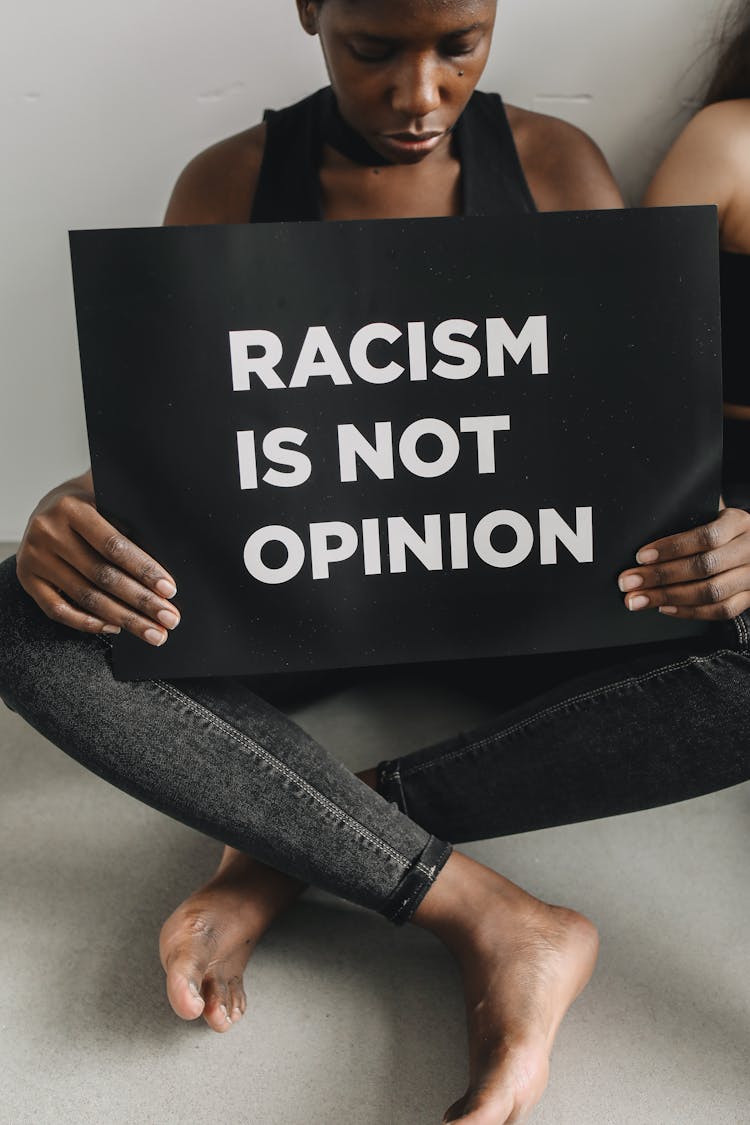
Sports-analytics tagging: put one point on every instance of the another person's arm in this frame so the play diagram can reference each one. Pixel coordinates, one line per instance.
(709, 164)
(703, 573)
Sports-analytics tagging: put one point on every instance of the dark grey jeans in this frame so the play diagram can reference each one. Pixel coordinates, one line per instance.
(575, 737)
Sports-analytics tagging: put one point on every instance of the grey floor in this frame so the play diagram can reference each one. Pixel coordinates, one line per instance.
(352, 1021)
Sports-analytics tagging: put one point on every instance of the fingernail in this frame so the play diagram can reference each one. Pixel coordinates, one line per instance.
(169, 620)
(667, 609)
(154, 637)
(639, 602)
(648, 555)
(632, 582)
(111, 629)
(165, 588)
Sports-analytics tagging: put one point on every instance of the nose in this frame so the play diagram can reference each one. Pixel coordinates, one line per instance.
(416, 92)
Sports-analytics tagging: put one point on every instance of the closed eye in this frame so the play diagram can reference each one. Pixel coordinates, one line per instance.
(458, 47)
(371, 49)
(370, 56)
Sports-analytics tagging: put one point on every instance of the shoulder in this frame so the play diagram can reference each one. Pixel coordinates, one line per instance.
(722, 128)
(564, 168)
(709, 161)
(218, 185)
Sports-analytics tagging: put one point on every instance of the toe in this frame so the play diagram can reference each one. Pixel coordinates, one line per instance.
(201, 978)
(216, 995)
(186, 945)
(237, 1001)
(184, 979)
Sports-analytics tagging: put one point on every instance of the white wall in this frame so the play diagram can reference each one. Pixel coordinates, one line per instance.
(103, 102)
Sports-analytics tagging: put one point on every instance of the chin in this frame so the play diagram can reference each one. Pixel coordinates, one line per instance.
(407, 157)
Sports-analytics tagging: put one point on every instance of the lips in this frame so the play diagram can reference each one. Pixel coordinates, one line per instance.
(413, 138)
(416, 143)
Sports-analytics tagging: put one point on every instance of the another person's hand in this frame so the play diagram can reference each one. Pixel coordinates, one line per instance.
(702, 574)
(69, 549)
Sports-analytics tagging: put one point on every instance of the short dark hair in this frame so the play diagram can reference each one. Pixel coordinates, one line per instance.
(731, 75)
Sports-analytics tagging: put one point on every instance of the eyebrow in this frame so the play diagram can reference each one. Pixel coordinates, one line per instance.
(448, 35)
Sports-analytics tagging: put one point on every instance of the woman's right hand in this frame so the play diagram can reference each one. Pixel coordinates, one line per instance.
(69, 548)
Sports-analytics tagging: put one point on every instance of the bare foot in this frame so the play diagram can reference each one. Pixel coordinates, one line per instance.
(205, 944)
(523, 963)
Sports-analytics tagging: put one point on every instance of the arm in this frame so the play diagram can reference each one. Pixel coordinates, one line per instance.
(80, 569)
(83, 572)
(709, 163)
(564, 168)
(703, 573)
(218, 185)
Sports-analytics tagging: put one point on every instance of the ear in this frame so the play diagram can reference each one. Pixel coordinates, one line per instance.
(308, 15)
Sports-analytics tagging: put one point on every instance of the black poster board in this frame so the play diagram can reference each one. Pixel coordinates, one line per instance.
(540, 396)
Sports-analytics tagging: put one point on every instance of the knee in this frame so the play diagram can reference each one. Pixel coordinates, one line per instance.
(20, 622)
(11, 592)
(7, 618)
(38, 656)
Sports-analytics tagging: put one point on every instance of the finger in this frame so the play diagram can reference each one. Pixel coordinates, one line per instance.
(99, 605)
(117, 549)
(115, 582)
(724, 611)
(694, 568)
(54, 605)
(708, 537)
(711, 592)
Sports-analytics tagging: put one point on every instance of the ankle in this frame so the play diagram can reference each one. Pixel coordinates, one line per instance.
(457, 906)
(370, 777)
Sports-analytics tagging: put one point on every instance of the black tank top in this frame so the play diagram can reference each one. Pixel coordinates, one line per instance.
(288, 190)
(735, 306)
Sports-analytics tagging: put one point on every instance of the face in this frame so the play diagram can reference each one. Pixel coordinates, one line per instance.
(402, 70)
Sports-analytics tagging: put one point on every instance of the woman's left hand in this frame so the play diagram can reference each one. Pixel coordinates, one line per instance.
(703, 573)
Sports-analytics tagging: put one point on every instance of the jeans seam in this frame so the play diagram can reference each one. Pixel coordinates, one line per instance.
(563, 705)
(741, 627)
(291, 775)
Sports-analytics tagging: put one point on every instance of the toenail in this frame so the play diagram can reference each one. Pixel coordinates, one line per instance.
(194, 989)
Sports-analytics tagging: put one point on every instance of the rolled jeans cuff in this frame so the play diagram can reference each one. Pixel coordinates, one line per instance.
(403, 902)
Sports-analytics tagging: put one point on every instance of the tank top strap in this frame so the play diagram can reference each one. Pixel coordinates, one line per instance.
(493, 181)
(288, 188)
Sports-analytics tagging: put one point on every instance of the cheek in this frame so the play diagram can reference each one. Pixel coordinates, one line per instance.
(359, 94)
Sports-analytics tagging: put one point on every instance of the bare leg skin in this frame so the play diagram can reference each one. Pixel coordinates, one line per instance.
(522, 963)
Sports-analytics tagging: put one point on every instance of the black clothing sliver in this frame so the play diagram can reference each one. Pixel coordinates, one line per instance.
(735, 292)
(288, 190)
(735, 305)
